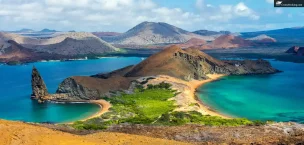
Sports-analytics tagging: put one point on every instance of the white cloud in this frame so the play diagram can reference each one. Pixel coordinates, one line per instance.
(114, 15)
(242, 10)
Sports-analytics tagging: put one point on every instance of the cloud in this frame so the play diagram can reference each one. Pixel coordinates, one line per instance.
(242, 10)
(116, 15)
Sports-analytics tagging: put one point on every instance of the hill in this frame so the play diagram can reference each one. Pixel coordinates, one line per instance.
(75, 43)
(296, 50)
(230, 41)
(210, 33)
(66, 44)
(151, 33)
(103, 34)
(16, 53)
(263, 39)
(281, 35)
(192, 63)
(47, 30)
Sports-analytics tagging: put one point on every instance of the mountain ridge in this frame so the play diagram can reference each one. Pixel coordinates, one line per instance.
(151, 33)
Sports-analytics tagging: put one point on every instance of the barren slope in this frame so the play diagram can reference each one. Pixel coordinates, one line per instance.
(17, 133)
(230, 41)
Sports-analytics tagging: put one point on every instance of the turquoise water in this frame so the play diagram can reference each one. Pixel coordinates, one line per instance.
(277, 97)
(15, 89)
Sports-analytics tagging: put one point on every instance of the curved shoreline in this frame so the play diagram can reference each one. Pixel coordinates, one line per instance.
(188, 94)
(104, 107)
(196, 84)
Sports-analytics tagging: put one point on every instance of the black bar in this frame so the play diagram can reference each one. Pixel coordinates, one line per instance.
(288, 3)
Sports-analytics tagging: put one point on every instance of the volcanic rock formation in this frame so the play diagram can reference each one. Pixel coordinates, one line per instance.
(39, 90)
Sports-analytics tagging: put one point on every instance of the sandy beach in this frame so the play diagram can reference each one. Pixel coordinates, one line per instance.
(104, 107)
(186, 100)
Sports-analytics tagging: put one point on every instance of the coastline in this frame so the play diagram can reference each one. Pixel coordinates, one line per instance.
(196, 84)
(187, 100)
(104, 107)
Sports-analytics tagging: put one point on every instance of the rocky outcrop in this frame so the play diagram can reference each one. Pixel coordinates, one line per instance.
(296, 50)
(39, 90)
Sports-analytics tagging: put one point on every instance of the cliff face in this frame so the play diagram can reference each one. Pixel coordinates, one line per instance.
(39, 90)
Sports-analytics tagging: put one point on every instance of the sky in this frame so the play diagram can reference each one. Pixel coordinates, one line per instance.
(121, 15)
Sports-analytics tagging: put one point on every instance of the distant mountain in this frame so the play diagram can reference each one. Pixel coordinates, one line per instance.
(193, 42)
(263, 38)
(295, 34)
(64, 45)
(77, 43)
(102, 34)
(296, 50)
(48, 30)
(230, 41)
(15, 52)
(24, 30)
(151, 33)
(210, 33)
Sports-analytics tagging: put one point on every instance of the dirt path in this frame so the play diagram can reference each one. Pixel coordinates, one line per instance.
(18, 133)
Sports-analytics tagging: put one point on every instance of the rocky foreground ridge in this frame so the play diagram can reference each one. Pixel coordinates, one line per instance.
(188, 64)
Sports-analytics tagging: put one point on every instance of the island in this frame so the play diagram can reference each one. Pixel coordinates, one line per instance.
(178, 71)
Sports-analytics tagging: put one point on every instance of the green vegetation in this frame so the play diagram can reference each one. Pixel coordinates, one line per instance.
(153, 106)
(193, 117)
